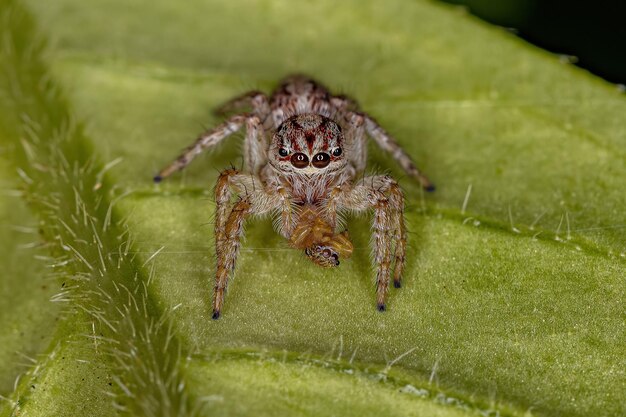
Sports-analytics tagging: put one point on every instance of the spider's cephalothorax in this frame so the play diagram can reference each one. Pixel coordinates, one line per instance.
(304, 152)
(307, 151)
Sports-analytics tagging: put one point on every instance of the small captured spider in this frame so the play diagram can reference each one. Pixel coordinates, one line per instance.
(304, 151)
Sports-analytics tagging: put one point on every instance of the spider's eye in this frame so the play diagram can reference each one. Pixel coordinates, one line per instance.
(336, 152)
(299, 160)
(283, 152)
(320, 160)
(326, 253)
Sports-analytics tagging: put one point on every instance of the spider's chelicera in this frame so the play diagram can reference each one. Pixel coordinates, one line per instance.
(305, 150)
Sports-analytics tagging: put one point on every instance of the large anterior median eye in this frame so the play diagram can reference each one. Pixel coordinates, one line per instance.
(299, 160)
(321, 160)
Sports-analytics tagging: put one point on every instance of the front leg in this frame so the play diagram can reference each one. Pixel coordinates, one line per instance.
(386, 142)
(396, 204)
(226, 249)
(382, 194)
(382, 249)
(254, 199)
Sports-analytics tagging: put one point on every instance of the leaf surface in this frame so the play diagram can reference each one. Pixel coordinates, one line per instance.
(514, 288)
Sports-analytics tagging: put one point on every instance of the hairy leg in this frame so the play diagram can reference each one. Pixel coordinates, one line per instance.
(390, 187)
(348, 109)
(396, 200)
(254, 199)
(382, 249)
(389, 144)
(344, 103)
(345, 109)
(256, 100)
(226, 242)
(255, 145)
(287, 212)
(382, 194)
(206, 140)
(227, 249)
(332, 205)
(357, 141)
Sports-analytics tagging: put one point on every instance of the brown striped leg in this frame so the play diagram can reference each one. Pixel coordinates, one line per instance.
(254, 199)
(343, 103)
(226, 248)
(254, 99)
(287, 212)
(223, 196)
(357, 140)
(228, 231)
(396, 199)
(206, 140)
(332, 207)
(382, 250)
(255, 145)
(389, 144)
(390, 187)
(367, 194)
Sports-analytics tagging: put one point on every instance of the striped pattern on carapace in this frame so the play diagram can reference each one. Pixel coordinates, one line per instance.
(304, 154)
(303, 133)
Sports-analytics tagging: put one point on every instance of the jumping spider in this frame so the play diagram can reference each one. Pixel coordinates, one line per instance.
(303, 152)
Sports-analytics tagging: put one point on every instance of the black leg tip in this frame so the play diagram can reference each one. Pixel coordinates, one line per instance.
(430, 188)
(216, 315)
(381, 307)
(157, 179)
(397, 284)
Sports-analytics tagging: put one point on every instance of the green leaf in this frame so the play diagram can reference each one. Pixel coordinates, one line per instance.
(513, 295)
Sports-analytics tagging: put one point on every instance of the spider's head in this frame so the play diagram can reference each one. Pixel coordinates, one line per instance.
(308, 144)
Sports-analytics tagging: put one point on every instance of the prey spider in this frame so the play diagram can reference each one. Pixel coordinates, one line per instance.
(304, 151)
